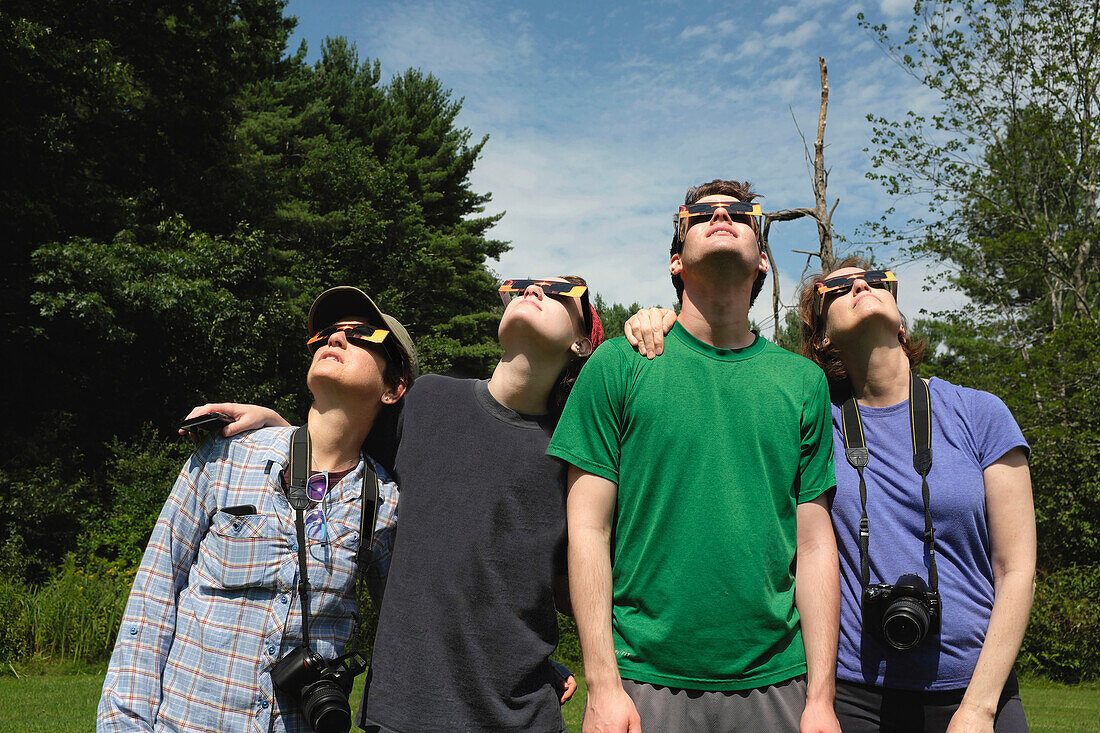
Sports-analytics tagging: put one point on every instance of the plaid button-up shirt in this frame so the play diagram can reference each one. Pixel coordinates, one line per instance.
(214, 604)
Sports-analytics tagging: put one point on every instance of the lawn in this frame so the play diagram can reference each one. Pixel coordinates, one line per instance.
(66, 704)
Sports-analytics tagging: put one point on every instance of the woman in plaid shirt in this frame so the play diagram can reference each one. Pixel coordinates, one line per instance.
(214, 604)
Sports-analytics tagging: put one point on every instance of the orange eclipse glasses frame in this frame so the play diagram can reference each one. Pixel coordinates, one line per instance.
(841, 284)
(511, 289)
(356, 333)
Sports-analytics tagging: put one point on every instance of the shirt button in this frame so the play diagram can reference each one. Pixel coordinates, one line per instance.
(271, 649)
(284, 600)
(236, 526)
(263, 704)
(294, 548)
(133, 630)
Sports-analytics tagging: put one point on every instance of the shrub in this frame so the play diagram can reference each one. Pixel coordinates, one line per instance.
(138, 477)
(1061, 641)
(76, 615)
(13, 622)
(569, 646)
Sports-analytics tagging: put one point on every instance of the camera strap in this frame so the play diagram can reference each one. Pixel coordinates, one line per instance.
(855, 450)
(301, 461)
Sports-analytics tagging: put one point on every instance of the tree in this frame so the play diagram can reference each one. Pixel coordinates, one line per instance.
(119, 116)
(181, 191)
(822, 213)
(1009, 168)
(369, 184)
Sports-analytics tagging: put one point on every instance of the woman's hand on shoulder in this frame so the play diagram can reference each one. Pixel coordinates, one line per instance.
(245, 417)
(646, 329)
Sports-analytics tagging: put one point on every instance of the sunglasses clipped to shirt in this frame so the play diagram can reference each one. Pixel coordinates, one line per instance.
(841, 284)
(511, 289)
(691, 214)
(356, 333)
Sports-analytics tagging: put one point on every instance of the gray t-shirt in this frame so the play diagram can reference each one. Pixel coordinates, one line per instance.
(468, 620)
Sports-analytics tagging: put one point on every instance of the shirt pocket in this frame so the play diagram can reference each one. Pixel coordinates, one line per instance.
(242, 551)
(336, 573)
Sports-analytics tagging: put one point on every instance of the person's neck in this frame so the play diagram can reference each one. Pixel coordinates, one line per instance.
(523, 383)
(337, 434)
(718, 316)
(878, 372)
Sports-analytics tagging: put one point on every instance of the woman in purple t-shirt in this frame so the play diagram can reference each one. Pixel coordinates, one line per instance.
(912, 665)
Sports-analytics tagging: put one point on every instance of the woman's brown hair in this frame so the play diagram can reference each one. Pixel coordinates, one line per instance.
(827, 356)
(560, 393)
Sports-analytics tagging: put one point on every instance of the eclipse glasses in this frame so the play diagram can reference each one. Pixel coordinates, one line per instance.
(356, 333)
(841, 284)
(691, 214)
(511, 289)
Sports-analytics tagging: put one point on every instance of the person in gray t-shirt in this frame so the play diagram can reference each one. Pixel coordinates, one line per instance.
(468, 618)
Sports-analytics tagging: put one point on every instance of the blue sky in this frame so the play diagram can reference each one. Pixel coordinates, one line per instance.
(601, 114)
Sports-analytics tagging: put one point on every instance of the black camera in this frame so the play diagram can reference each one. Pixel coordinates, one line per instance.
(901, 614)
(320, 686)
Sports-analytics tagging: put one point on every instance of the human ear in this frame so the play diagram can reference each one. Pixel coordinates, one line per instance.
(392, 395)
(581, 347)
(675, 266)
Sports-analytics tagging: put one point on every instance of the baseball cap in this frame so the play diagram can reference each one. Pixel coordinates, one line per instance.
(345, 301)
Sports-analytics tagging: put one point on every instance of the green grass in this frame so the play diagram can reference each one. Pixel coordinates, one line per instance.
(54, 703)
(66, 703)
(1055, 708)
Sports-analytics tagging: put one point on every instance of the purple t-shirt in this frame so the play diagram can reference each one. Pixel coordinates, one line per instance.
(970, 431)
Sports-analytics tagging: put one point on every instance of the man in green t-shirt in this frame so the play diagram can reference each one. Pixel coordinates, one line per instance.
(695, 481)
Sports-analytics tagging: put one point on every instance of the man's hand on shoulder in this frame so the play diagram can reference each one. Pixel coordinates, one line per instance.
(611, 711)
(646, 329)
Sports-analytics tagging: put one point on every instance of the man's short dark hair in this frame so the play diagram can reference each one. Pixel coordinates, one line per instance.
(740, 190)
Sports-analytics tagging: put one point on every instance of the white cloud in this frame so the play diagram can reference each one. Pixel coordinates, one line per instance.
(783, 15)
(896, 8)
(448, 39)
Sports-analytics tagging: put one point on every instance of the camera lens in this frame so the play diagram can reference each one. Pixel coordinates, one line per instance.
(905, 623)
(326, 707)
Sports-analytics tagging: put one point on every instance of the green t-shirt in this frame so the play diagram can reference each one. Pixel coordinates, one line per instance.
(712, 450)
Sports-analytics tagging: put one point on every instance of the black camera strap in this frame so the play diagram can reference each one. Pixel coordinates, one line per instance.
(855, 450)
(301, 461)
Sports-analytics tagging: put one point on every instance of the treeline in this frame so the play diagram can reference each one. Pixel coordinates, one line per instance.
(177, 190)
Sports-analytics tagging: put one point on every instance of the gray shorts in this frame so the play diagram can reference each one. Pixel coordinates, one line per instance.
(776, 707)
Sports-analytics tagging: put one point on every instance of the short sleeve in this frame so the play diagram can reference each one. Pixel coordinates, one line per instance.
(817, 474)
(589, 433)
(992, 427)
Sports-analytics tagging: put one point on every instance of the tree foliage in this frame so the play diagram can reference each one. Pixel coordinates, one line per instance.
(179, 189)
(1009, 166)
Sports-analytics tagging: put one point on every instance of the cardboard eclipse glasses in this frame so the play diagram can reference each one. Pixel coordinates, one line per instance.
(358, 334)
(841, 284)
(691, 214)
(511, 289)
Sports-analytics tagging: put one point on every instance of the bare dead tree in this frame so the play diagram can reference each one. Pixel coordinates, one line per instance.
(821, 213)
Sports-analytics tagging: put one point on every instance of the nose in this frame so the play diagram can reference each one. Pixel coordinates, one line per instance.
(338, 339)
(859, 285)
(534, 290)
(720, 214)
